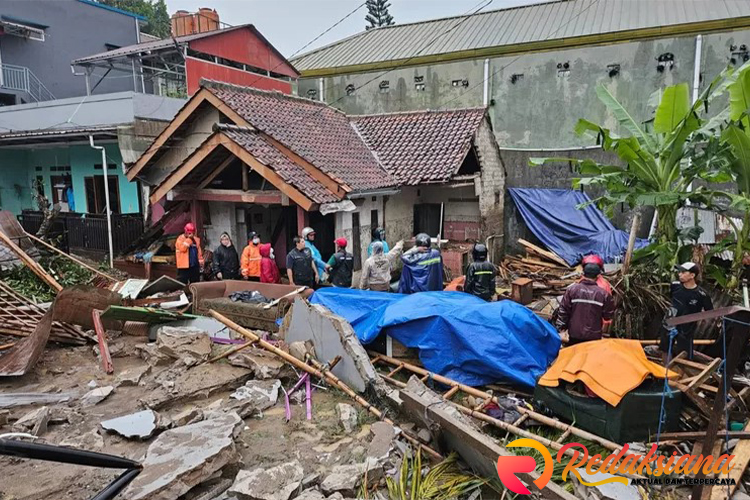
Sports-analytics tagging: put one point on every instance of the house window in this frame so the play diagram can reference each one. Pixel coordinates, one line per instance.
(95, 199)
(427, 218)
(374, 219)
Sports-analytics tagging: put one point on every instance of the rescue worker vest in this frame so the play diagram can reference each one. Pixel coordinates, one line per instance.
(480, 279)
(302, 270)
(342, 269)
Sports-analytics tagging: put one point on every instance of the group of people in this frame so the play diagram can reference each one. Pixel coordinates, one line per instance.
(587, 308)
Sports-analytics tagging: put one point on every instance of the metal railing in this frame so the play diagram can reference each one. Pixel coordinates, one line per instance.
(23, 79)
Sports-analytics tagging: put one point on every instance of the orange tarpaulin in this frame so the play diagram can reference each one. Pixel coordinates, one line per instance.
(609, 367)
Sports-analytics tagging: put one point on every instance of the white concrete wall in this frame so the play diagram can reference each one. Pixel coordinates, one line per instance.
(223, 219)
(364, 209)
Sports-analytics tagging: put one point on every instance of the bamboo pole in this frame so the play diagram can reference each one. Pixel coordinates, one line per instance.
(31, 263)
(325, 375)
(631, 244)
(485, 395)
(77, 261)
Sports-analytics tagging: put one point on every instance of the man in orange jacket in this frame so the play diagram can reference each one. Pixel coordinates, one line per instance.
(189, 256)
(250, 261)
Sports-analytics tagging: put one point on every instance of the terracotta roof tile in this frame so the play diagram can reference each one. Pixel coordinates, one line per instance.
(292, 173)
(422, 146)
(318, 133)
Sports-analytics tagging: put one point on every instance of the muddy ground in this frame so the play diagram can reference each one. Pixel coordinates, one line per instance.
(266, 440)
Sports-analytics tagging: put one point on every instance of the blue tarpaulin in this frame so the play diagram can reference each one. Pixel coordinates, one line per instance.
(458, 335)
(571, 233)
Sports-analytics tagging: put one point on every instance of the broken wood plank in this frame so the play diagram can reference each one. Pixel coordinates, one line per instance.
(741, 454)
(544, 253)
(694, 435)
(31, 263)
(705, 374)
(103, 347)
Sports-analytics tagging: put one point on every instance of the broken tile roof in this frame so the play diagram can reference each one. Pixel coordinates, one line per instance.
(318, 133)
(422, 146)
(269, 155)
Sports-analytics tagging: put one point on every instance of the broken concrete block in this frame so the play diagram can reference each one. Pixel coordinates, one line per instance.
(199, 381)
(299, 350)
(256, 396)
(610, 491)
(140, 425)
(425, 436)
(186, 417)
(90, 441)
(346, 479)
(96, 396)
(92, 384)
(34, 422)
(276, 483)
(264, 367)
(4, 414)
(184, 457)
(383, 435)
(311, 494)
(190, 345)
(132, 377)
(348, 416)
(310, 480)
(152, 355)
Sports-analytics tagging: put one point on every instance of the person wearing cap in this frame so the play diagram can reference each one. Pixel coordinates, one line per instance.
(226, 263)
(480, 274)
(687, 298)
(584, 307)
(308, 235)
(250, 262)
(300, 268)
(340, 266)
(189, 256)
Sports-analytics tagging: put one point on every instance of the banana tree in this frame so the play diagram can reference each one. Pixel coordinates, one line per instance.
(656, 169)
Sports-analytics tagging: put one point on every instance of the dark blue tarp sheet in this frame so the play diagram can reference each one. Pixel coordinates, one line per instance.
(552, 216)
(458, 335)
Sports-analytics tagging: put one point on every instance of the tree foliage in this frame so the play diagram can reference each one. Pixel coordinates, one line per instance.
(377, 14)
(155, 12)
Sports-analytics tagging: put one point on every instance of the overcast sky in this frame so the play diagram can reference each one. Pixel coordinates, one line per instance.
(291, 24)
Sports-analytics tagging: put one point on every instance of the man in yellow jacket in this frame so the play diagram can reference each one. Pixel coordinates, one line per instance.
(251, 258)
(189, 255)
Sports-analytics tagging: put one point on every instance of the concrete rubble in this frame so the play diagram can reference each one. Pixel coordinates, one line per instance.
(263, 365)
(346, 479)
(34, 422)
(132, 377)
(347, 416)
(255, 396)
(182, 458)
(96, 396)
(383, 435)
(140, 425)
(190, 345)
(275, 483)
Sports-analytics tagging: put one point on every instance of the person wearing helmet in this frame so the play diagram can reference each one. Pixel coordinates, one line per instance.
(378, 234)
(480, 274)
(189, 255)
(341, 265)
(423, 267)
(308, 234)
(687, 298)
(600, 280)
(250, 262)
(584, 307)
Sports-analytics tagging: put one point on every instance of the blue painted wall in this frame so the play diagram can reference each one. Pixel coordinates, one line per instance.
(19, 168)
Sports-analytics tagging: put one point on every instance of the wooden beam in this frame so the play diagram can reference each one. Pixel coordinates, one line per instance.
(30, 263)
(229, 195)
(705, 374)
(741, 454)
(295, 195)
(332, 183)
(192, 161)
(167, 133)
(544, 253)
(210, 177)
(692, 436)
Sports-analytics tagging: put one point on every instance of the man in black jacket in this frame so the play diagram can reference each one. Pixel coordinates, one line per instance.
(480, 274)
(300, 266)
(340, 266)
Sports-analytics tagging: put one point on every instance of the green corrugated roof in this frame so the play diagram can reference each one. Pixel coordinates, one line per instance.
(530, 24)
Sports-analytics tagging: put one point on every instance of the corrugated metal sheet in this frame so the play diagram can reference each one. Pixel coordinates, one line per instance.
(519, 25)
(715, 226)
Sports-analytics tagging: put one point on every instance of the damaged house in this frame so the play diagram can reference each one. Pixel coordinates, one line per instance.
(237, 159)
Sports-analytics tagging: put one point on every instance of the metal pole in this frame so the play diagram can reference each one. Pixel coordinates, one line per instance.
(106, 200)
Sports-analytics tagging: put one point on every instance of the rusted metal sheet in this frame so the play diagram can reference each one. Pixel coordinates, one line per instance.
(76, 305)
(705, 315)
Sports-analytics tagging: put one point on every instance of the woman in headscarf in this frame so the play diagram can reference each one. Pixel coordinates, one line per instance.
(376, 273)
(226, 263)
